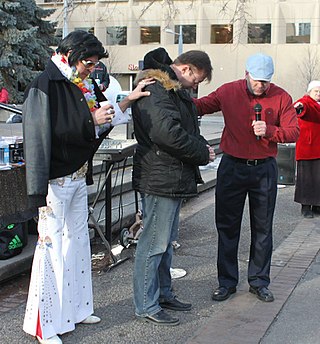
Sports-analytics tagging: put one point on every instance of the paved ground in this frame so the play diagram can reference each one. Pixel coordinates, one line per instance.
(241, 319)
(292, 318)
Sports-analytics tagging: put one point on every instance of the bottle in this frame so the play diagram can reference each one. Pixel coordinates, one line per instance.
(6, 154)
(2, 144)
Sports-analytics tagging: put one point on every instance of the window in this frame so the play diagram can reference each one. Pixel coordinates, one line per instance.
(298, 32)
(88, 29)
(117, 35)
(149, 34)
(259, 33)
(189, 34)
(221, 34)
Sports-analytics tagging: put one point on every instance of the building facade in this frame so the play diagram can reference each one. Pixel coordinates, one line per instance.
(229, 31)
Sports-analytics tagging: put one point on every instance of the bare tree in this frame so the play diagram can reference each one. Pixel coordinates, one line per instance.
(111, 61)
(239, 16)
(68, 8)
(171, 9)
(309, 68)
(237, 10)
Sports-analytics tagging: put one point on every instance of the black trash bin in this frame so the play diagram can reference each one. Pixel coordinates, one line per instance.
(286, 161)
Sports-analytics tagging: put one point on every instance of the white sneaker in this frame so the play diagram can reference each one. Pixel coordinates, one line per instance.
(175, 245)
(177, 273)
(52, 340)
(91, 319)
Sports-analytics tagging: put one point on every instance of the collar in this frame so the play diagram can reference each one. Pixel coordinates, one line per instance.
(54, 72)
(161, 76)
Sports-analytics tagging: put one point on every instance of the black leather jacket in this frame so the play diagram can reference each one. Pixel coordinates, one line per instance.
(58, 131)
(170, 147)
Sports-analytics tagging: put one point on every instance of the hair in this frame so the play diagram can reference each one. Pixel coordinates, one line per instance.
(198, 59)
(81, 45)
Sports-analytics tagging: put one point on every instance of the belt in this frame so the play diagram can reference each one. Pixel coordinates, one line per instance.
(75, 176)
(249, 162)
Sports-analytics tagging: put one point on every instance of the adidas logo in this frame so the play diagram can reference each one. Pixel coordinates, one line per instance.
(15, 243)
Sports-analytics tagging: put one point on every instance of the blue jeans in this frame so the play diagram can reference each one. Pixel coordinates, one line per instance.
(152, 279)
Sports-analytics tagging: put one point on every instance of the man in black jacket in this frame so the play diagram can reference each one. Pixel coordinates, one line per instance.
(101, 76)
(170, 149)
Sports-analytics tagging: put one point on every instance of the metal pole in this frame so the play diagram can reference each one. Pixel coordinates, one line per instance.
(10, 108)
(65, 29)
(180, 41)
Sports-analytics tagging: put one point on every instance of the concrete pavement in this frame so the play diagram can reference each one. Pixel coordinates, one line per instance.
(298, 320)
(291, 318)
(123, 200)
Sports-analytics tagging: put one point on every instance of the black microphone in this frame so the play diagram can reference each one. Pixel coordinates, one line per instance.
(299, 109)
(257, 109)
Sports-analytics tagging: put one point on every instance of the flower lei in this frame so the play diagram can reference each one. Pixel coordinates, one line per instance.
(71, 73)
(87, 89)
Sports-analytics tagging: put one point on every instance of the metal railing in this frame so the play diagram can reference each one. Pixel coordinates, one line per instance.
(10, 108)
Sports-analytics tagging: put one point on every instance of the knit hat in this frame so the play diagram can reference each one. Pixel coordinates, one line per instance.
(260, 67)
(313, 84)
(156, 59)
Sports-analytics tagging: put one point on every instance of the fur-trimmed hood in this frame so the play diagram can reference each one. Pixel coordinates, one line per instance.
(161, 76)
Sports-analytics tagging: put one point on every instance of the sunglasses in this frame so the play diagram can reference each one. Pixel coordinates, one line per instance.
(89, 64)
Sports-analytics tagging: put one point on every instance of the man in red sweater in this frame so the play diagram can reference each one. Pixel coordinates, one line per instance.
(257, 115)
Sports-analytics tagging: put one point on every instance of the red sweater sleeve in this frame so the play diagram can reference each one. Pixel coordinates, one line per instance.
(311, 109)
(208, 104)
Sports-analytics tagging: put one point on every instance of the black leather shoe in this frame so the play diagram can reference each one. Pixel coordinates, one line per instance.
(223, 293)
(175, 305)
(161, 319)
(306, 211)
(263, 293)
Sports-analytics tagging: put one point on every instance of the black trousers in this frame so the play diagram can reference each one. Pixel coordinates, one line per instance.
(236, 180)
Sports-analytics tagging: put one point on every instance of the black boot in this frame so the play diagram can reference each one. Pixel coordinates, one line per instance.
(306, 211)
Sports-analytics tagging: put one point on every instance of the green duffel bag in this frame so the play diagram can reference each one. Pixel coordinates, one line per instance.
(13, 238)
